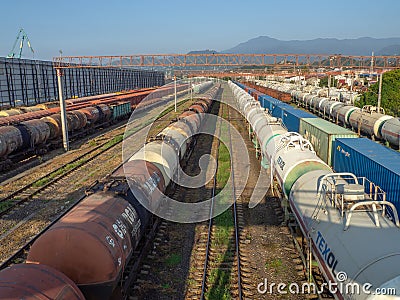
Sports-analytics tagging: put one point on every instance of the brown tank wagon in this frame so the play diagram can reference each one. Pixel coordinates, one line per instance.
(91, 244)
(39, 131)
(92, 113)
(37, 282)
(10, 140)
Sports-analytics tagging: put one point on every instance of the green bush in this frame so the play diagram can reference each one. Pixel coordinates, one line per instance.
(390, 100)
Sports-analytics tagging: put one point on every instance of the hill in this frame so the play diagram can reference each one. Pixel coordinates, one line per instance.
(203, 52)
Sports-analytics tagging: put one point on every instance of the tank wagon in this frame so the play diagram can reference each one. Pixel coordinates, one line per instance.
(201, 87)
(368, 121)
(337, 107)
(93, 243)
(32, 281)
(342, 217)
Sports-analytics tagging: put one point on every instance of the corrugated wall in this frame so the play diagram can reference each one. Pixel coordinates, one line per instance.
(25, 82)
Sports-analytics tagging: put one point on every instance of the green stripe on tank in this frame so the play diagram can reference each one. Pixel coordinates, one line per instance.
(348, 115)
(271, 137)
(300, 170)
(380, 128)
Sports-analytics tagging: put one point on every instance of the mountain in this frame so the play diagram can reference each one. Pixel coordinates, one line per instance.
(359, 46)
(390, 50)
(204, 52)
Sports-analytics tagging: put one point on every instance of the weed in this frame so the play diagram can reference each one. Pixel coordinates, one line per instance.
(92, 143)
(4, 205)
(166, 286)
(275, 264)
(173, 260)
(117, 139)
(66, 168)
(219, 285)
(219, 280)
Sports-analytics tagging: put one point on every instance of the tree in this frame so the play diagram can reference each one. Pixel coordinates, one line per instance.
(390, 99)
(324, 82)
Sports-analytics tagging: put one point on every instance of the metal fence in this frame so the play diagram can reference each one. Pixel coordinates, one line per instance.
(26, 82)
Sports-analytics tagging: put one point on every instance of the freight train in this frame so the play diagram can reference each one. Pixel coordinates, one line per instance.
(339, 148)
(84, 254)
(368, 120)
(37, 131)
(342, 217)
(338, 108)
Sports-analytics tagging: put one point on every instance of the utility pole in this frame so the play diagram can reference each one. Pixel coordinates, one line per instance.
(191, 89)
(351, 90)
(329, 85)
(380, 92)
(371, 71)
(175, 90)
(63, 111)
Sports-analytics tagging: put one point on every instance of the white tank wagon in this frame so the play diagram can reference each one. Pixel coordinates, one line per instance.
(343, 114)
(327, 107)
(308, 98)
(391, 131)
(296, 96)
(335, 112)
(369, 121)
(342, 217)
(348, 231)
(202, 87)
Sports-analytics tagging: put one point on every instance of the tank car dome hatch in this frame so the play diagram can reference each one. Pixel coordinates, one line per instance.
(351, 191)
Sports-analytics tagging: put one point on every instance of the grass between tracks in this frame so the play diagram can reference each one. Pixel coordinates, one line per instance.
(58, 172)
(221, 268)
(5, 205)
(117, 139)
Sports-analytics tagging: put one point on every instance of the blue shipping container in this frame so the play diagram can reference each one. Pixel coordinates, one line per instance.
(291, 118)
(265, 101)
(366, 158)
(239, 84)
(278, 109)
(269, 102)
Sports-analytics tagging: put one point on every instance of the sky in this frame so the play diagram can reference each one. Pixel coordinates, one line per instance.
(124, 27)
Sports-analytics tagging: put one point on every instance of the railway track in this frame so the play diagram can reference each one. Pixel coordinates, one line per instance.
(146, 284)
(26, 157)
(35, 187)
(231, 262)
(218, 253)
(174, 266)
(42, 160)
(20, 194)
(31, 206)
(19, 256)
(31, 195)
